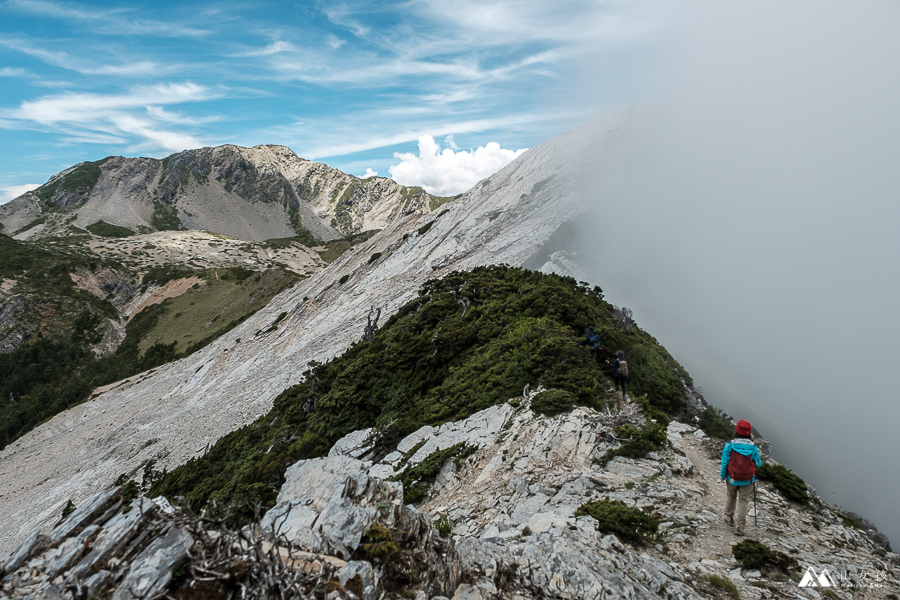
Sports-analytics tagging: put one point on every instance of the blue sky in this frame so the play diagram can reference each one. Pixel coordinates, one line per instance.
(348, 84)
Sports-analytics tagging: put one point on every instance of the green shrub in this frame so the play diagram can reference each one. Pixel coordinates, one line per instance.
(614, 516)
(374, 257)
(343, 279)
(725, 585)
(553, 402)
(639, 442)
(756, 555)
(444, 527)
(785, 481)
(715, 424)
(378, 543)
(104, 229)
(163, 274)
(424, 228)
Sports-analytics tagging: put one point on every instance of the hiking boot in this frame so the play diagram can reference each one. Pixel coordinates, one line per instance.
(729, 521)
(738, 531)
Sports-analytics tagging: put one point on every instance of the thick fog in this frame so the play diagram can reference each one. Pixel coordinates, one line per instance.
(753, 229)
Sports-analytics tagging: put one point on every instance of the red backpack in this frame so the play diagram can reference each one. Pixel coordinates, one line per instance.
(740, 467)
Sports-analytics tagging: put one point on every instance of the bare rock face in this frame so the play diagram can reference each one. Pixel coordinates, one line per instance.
(102, 549)
(254, 194)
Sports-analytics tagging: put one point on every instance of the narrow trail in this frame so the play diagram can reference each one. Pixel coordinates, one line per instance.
(814, 540)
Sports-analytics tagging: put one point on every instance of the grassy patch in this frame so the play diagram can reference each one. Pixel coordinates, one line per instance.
(614, 516)
(430, 363)
(785, 481)
(435, 202)
(104, 229)
(163, 274)
(204, 311)
(756, 555)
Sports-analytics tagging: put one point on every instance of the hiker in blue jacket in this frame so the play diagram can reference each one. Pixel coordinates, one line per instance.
(740, 457)
(620, 372)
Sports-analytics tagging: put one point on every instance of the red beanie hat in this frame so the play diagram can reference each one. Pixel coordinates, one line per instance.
(743, 427)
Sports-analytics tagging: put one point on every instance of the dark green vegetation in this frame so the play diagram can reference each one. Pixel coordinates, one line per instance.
(638, 441)
(55, 366)
(785, 481)
(614, 516)
(165, 217)
(469, 341)
(104, 229)
(74, 186)
(553, 402)
(716, 424)
(756, 555)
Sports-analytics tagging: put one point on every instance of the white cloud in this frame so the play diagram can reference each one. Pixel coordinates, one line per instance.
(11, 192)
(275, 47)
(449, 172)
(110, 21)
(369, 173)
(80, 107)
(137, 116)
(13, 72)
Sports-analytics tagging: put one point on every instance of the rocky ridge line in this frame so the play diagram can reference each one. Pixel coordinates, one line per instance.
(511, 510)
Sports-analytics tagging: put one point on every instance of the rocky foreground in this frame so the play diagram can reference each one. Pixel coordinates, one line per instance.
(498, 520)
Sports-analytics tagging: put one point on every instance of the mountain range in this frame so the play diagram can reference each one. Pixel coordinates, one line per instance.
(559, 460)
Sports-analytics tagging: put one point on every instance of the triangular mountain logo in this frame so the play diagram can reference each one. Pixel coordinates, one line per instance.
(824, 579)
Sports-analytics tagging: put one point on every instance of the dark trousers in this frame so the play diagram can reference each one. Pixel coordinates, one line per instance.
(620, 381)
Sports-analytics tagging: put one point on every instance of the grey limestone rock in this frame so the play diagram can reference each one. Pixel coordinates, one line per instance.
(467, 592)
(35, 543)
(152, 570)
(358, 576)
(85, 513)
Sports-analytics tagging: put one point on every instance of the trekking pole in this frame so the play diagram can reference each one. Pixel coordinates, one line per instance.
(755, 507)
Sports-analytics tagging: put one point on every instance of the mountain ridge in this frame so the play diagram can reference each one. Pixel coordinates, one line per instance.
(175, 412)
(256, 193)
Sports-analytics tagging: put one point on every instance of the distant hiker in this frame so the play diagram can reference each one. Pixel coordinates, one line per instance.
(740, 457)
(620, 371)
(592, 340)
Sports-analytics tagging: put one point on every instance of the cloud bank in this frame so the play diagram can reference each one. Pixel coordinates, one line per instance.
(449, 171)
(753, 230)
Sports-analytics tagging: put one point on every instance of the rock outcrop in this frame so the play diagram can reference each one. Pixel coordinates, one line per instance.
(501, 522)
